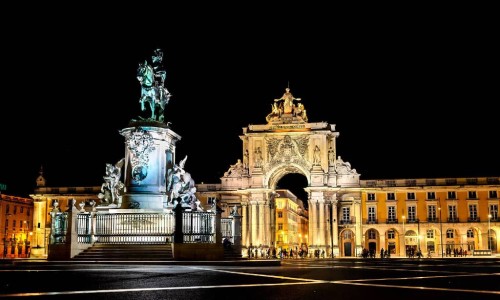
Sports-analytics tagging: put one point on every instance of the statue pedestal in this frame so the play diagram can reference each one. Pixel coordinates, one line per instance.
(317, 176)
(149, 154)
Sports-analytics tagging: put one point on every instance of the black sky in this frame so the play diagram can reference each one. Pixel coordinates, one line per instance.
(411, 98)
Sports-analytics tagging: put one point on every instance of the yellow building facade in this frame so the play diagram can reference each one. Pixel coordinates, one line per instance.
(16, 219)
(438, 216)
(291, 222)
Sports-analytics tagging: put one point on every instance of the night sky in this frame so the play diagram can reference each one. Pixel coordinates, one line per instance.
(411, 99)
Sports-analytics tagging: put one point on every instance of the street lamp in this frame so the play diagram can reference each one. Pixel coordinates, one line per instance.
(441, 229)
(404, 235)
(418, 236)
(489, 228)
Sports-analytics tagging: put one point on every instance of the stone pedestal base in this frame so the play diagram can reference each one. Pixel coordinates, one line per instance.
(144, 201)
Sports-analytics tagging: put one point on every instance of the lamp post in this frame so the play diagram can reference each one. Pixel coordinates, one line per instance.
(272, 207)
(441, 229)
(418, 236)
(489, 228)
(404, 236)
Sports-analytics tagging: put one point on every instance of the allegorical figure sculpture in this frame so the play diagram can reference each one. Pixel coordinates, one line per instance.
(152, 80)
(331, 156)
(317, 156)
(181, 187)
(111, 189)
(285, 107)
(343, 167)
(236, 170)
(258, 158)
(287, 101)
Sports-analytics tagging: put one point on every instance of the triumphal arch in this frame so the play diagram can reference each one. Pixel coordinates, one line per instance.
(289, 143)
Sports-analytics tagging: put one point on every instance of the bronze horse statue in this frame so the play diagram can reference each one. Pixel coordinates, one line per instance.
(152, 92)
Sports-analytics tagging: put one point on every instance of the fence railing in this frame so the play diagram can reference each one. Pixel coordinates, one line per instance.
(147, 228)
(198, 227)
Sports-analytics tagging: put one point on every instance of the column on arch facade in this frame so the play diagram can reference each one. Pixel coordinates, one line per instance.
(253, 223)
(359, 224)
(245, 214)
(262, 224)
(318, 216)
(258, 229)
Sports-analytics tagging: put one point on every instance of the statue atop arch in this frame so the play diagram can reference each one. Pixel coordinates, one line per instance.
(343, 167)
(284, 110)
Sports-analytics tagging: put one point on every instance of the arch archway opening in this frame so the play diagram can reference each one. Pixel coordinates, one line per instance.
(295, 183)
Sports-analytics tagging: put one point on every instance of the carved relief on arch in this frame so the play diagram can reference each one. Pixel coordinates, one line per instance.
(287, 150)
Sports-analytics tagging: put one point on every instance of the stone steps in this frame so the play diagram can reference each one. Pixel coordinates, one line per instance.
(127, 252)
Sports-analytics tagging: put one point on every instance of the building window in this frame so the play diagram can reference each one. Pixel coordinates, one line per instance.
(430, 181)
(346, 214)
(430, 233)
(211, 200)
(452, 213)
(451, 181)
(7, 209)
(279, 204)
(450, 234)
(22, 209)
(412, 213)
(492, 195)
(280, 214)
(452, 195)
(391, 196)
(14, 224)
(431, 213)
(410, 196)
(494, 212)
(15, 209)
(371, 196)
(391, 213)
(347, 235)
(472, 195)
(391, 235)
(431, 196)
(372, 234)
(470, 233)
(411, 182)
(28, 212)
(6, 224)
(472, 212)
(372, 214)
(280, 226)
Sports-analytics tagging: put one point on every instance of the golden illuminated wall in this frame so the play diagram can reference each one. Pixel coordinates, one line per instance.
(291, 224)
(17, 236)
(465, 229)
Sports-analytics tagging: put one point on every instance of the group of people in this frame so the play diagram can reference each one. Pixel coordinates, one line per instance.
(456, 252)
(284, 253)
(384, 253)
